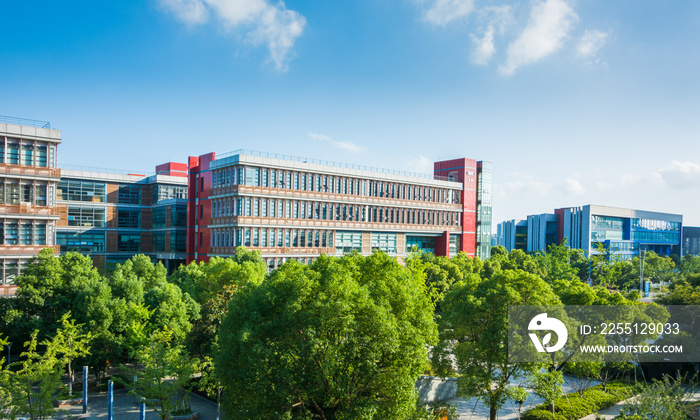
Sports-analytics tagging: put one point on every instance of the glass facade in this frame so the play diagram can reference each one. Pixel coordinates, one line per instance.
(348, 241)
(86, 216)
(484, 210)
(420, 243)
(71, 190)
(606, 228)
(384, 242)
(84, 242)
(168, 192)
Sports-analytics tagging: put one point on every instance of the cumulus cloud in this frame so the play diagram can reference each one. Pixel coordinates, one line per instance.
(422, 164)
(682, 175)
(590, 43)
(549, 25)
(344, 145)
(441, 12)
(573, 186)
(484, 48)
(264, 23)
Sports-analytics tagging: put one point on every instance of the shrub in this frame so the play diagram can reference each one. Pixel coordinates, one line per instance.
(572, 406)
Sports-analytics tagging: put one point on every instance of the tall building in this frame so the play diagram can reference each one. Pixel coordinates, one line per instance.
(623, 232)
(691, 240)
(299, 208)
(112, 215)
(28, 178)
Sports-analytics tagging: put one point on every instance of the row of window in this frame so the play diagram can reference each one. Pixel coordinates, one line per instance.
(25, 233)
(300, 238)
(652, 224)
(299, 209)
(36, 193)
(16, 152)
(95, 192)
(92, 242)
(10, 269)
(178, 217)
(303, 181)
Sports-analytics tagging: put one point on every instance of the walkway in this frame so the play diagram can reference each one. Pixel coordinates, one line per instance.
(126, 407)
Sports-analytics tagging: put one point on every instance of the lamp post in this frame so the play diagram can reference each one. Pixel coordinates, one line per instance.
(9, 346)
(641, 273)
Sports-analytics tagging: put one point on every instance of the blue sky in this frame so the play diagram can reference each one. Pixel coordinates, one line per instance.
(575, 102)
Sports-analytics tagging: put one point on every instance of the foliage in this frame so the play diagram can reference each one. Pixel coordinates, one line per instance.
(581, 374)
(34, 381)
(72, 343)
(574, 406)
(547, 385)
(165, 375)
(474, 329)
(436, 411)
(664, 399)
(341, 338)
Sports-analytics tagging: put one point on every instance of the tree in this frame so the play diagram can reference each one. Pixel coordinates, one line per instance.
(5, 395)
(547, 385)
(72, 343)
(165, 375)
(35, 379)
(665, 399)
(474, 328)
(340, 338)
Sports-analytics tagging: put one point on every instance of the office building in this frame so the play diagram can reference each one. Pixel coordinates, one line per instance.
(113, 215)
(299, 208)
(691, 240)
(28, 178)
(623, 232)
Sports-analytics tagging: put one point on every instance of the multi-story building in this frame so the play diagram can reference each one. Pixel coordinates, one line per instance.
(624, 232)
(112, 215)
(691, 240)
(28, 177)
(299, 208)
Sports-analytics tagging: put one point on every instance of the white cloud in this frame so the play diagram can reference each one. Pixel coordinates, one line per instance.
(681, 175)
(549, 25)
(524, 184)
(344, 145)
(484, 48)
(441, 12)
(590, 43)
(270, 24)
(422, 165)
(573, 186)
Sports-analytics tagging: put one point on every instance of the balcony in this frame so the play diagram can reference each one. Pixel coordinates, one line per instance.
(27, 170)
(27, 209)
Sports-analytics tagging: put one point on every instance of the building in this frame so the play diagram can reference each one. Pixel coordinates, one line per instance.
(28, 176)
(691, 240)
(512, 234)
(298, 208)
(112, 215)
(624, 232)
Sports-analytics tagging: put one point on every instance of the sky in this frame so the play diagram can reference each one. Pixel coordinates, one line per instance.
(574, 102)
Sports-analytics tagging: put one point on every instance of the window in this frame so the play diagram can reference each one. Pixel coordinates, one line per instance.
(13, 153)
(86, 216)
(129, 194)
(168, 192)
(40, 195)
(11, 233)
(158, 242)
(26, 234)
(347, 241)
(384, 241)
(27, 193)
(178, 216)
(178, 241)
(41, 156)
(40, 234)
(159, 217)
(129, 242)
(128, 218)
(252, 176)
(81, 191)
(12, 194)
(28, 154)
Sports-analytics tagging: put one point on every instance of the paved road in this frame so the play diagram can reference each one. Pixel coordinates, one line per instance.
(126, 407)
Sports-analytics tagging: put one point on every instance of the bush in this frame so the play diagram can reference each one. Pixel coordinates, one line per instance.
(538, 414)
(572, 406)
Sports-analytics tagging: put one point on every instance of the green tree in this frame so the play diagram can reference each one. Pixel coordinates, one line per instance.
(474, 328)
(165, 374)
(547, 385)
(72, 343)
(665, 399)
(35, 379)
(341, 338)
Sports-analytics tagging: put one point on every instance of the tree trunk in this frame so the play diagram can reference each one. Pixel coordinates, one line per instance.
(493, 411)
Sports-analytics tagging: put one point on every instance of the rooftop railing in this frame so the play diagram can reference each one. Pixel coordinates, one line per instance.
(279, 156)
(24, 121)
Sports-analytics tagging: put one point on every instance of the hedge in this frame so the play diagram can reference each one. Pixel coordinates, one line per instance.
(573, 407)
